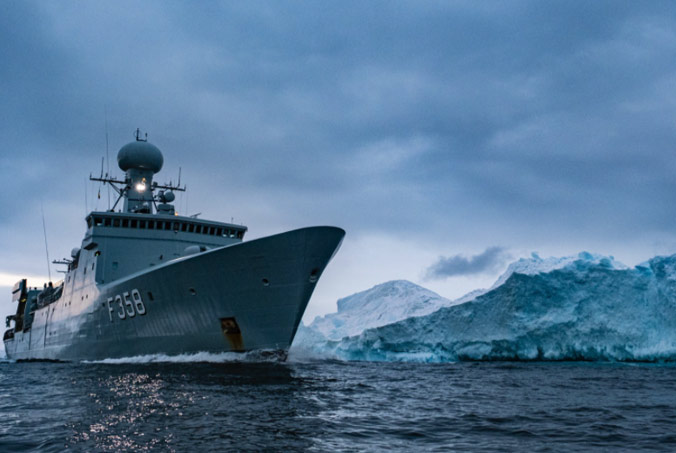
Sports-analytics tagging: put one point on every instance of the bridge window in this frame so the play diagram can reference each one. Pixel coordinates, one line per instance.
(240, 234)
(125, 223)
(134, 223)
(176, 226)
(184, 227)
(116, 222)
(167, 225)
(198, 229)
(151, 224)
(191, 229)
(142, 224)
(107, 222)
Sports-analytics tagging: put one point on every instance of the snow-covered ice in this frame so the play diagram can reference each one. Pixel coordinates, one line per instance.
(381, 305)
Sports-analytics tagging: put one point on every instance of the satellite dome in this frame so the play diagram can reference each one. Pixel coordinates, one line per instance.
(141, 155)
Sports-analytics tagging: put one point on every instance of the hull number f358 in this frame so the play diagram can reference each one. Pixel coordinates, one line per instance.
(126, 305)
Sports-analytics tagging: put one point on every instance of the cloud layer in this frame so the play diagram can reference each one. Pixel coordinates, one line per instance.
(527, 124)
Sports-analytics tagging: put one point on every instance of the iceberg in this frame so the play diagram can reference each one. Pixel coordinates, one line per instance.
(586, 307)
(381, 305)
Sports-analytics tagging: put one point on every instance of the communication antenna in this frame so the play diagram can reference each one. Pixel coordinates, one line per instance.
(44, 230)
(86, 202)
(107, 157)
(137, 135)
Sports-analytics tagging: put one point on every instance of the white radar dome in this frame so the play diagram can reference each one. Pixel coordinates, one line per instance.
(140, 155)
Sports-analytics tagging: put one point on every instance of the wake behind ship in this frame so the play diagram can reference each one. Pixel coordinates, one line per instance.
(146, 280)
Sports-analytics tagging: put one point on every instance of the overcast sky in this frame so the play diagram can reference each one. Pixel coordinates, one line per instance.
(446, 138)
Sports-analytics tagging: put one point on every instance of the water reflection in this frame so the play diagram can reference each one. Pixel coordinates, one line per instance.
(175, 407)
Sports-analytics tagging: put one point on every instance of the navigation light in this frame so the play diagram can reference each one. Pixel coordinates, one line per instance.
(141, 186)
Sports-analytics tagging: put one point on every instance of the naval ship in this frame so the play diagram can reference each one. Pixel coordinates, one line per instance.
(146, 280)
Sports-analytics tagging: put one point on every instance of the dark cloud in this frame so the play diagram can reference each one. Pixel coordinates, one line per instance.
(489, 261)
(529, 121)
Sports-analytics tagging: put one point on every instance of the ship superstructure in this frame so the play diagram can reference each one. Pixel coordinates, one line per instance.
(146, 280)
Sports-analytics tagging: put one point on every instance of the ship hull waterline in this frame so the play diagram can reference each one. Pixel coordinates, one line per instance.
(243, 297)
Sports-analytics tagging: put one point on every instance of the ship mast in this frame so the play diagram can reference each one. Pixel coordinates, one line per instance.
(139, 160)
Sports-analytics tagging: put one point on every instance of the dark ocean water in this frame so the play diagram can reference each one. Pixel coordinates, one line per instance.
(336, 406)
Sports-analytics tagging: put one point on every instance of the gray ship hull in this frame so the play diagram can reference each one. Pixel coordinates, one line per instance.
(241, 297)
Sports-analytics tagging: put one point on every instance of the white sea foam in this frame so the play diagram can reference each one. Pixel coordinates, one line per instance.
(198, 357)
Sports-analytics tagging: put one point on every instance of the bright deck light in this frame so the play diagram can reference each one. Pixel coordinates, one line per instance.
(141, 187)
